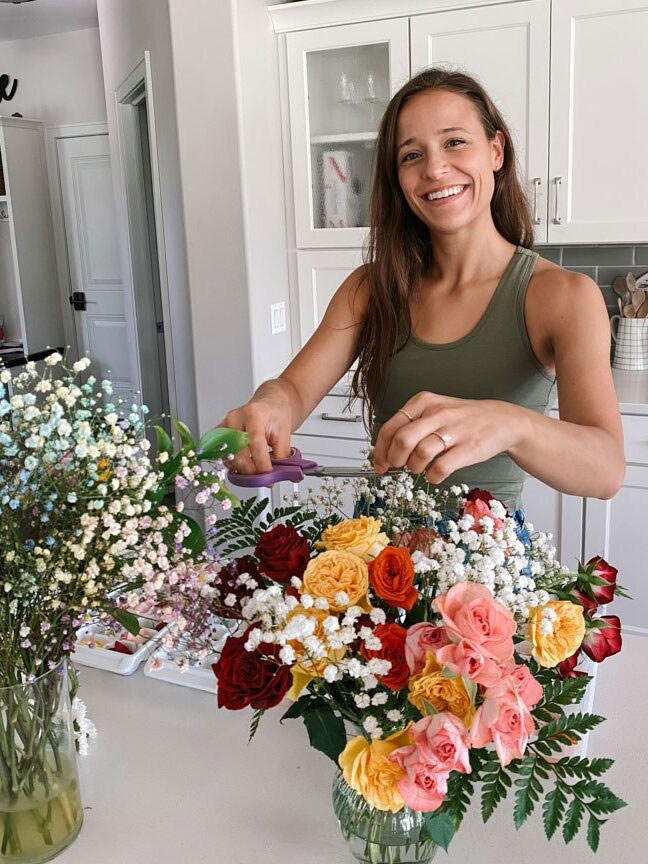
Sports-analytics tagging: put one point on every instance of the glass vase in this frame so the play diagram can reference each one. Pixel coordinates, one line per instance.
(379, 836)
(40, 807)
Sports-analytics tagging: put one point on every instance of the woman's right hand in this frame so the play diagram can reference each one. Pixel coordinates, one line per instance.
(266, 419)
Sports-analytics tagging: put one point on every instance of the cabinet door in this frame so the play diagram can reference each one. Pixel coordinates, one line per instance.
(324, 451)
(599, 122)
(319, 275)
(555, 513)
(506, 47)
(616, 529)
(340, 81)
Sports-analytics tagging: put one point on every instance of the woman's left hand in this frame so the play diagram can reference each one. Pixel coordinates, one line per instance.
(447, 432)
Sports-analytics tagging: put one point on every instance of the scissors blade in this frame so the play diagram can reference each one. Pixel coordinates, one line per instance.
(348, 471)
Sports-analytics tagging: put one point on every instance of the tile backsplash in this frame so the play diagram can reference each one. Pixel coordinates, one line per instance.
(602, 263)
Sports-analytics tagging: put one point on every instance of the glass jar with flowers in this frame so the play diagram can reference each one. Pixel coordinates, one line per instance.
(83, 519)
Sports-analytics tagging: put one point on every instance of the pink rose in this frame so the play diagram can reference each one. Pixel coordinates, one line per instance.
(470, 611)
(420, 639)
(529, 689)
(422, 786)
(478, 509)
(442, 740)
(470, 659)
(504, 719)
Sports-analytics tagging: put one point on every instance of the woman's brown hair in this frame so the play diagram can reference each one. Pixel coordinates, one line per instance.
(398, 251)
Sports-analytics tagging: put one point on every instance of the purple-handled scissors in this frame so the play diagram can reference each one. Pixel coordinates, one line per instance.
(295, 468)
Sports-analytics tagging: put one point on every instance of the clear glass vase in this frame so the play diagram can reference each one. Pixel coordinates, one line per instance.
(379, 836)
(40, 807)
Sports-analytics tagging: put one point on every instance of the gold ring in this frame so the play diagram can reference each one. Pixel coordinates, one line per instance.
(447, 439)
(406, 414)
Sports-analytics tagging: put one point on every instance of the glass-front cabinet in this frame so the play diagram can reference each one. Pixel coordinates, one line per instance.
(340, 80)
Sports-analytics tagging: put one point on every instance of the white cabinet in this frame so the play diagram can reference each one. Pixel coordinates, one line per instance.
(340, 79)
(471, 40)
(574, 67)
(320, 272)
(599, 122)
(29, 290)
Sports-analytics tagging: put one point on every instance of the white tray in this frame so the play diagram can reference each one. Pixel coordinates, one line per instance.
(198, 674)
(113, 661)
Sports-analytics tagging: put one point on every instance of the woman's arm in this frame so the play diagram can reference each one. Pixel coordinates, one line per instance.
(582, 453)
(281, 404)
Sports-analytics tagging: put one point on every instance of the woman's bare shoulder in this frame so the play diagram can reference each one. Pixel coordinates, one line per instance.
(557, 288)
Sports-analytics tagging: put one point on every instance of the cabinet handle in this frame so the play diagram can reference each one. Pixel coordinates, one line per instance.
(557, 217)
(537, 183)
(354, 418)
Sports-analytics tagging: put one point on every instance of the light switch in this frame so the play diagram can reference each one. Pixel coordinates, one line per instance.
(278, 317)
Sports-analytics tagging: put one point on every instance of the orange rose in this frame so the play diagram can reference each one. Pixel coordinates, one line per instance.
(391, 575)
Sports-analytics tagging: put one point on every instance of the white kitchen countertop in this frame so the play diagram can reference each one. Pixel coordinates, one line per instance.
(170, 778)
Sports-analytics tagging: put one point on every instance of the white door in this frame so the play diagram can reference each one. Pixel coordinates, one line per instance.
(555, 513)
(320, 273)
(506, 48)
(340, 81)
(599, 122)
(103, 331)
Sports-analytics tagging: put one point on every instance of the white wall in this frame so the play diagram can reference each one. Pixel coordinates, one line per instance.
(126, 30)
(59, 77)
(230, 148)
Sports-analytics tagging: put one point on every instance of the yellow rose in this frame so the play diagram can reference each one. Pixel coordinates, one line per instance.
(331, 572)
(565, 630)
(361, 536)
(367, 769)
(306, 668)
(445, 694)
(103, 470)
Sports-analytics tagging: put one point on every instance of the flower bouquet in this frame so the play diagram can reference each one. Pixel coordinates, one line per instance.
(83, 524)
(431, 650)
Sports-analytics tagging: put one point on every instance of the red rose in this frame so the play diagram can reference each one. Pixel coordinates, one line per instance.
(567, 668)
(247, 677)
(602, 642)
(603, 593)
(228, 583)
(480, 495)
(282, 553)
(587, 602)
(392, 636)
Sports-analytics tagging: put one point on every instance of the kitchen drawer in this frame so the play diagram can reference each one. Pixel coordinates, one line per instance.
(635, 437)
(333, 419)
(330, 451)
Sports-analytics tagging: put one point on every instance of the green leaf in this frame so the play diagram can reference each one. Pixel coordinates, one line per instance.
(573, 818)
(471, 689)
(593, 833)
(170, 468)
(325, 732)
(300, 706)
(156, 494)
(127, 620)
(254, 722)
(210, 446)
(164, 442)
(430, 710)
(528, 791)
(553, 810)
(569, 727)
(185, 435)
(494, 789)
(440, 828)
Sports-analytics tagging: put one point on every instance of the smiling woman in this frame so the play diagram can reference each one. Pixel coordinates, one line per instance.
(461, 332)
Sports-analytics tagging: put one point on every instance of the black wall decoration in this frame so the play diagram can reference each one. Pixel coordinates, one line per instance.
(7, 93)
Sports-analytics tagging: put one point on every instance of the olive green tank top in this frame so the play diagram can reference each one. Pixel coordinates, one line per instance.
(494, 360)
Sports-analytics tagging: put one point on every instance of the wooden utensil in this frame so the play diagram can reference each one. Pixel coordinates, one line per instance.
(619, 301)
(629, 311)
(637, 298)
(619, 287)
(642, 311)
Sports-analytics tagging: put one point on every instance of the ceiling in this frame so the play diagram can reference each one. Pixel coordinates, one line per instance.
(42, 17)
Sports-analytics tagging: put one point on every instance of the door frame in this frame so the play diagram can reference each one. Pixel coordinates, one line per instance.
(139, 83)
(52, 135)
